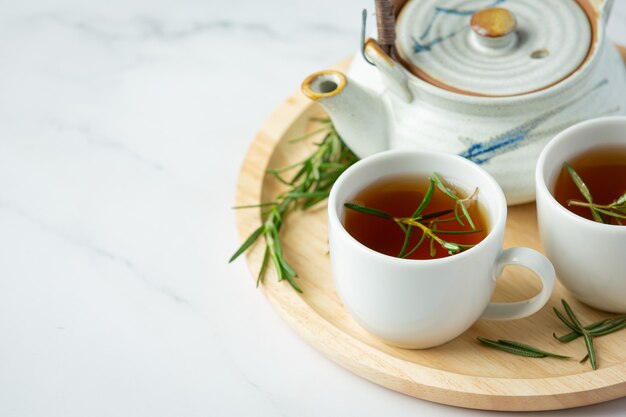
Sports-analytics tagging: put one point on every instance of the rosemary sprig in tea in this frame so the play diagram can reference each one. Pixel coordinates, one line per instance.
(427, 223)
(309, 186)
(519, 349)
(601, 213)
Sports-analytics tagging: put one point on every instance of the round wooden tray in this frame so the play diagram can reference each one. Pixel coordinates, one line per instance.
(461, 372)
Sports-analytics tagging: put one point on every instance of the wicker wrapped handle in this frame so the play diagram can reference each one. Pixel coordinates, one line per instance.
(386, 21)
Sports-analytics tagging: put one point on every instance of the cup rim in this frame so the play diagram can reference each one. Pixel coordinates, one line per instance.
(564, 136)
(499, 222)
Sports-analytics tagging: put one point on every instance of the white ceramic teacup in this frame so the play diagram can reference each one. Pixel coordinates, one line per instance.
(425, 303)
(589, 257)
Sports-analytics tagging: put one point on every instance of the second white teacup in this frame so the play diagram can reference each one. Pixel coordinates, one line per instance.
(425, 303)
(589, 257)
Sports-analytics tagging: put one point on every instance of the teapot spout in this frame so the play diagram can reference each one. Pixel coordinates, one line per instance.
(359, 116)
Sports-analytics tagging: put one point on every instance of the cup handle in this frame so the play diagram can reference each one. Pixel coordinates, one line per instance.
(537, 263)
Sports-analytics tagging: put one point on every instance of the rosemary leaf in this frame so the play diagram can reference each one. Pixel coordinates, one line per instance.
(405, 243)
(332, 166)
(457, 216)
(610, 213)
(510, 349)
(264, 263)
(368, 210)
(452, 247)
(416, 213)
(590, 350)
(293, 283)
(249, 241)
(285, 168)
(280, 178)
(307, 135)
(452, 219)
(416, 247)
(578, 327)
(582, 187)
(571, 315)
(612, 329)
(607, 324)
(596, 216)
(467, 216)
(532, 349)
(565, 321)
(426, 200)
(575, 335)
(302, 172)
(309, 194)
(442, 187)
(458, 232)
(289, 271)
(271, 203)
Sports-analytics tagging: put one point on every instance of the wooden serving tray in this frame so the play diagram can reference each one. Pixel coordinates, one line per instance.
(461, 372)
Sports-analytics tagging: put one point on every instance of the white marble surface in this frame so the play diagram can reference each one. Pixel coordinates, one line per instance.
(122, 127)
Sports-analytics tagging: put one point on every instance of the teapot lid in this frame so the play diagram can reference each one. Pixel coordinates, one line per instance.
(493, 47)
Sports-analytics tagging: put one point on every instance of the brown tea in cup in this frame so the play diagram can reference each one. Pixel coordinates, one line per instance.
(603, 171)
(400, 196)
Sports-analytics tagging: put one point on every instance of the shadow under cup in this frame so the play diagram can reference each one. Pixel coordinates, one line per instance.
(589, 257)
(415, 303)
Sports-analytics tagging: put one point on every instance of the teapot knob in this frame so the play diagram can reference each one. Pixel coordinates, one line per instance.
(494, 28)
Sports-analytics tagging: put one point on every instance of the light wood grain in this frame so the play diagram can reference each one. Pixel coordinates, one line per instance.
(461, 372)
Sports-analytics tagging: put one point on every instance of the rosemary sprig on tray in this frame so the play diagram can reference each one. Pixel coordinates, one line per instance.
(574, 324)
(427, 223)
(310, 185)
(588, 333)
(520, 349)
(601, 213)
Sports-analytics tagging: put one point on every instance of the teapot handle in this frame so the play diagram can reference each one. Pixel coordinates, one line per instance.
(386, 19)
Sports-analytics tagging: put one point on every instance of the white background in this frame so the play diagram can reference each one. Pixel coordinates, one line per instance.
(122, 128)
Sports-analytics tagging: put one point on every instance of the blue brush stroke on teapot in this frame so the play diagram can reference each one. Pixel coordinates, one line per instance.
(419, 46)
(482, 152)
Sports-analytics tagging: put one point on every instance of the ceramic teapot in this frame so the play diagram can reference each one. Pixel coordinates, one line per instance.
(491, 80)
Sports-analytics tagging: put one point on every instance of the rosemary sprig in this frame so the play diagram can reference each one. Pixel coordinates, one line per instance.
(462, 203)
(591, 351)
(601, 213)
(369, 210)
(589, 332)
(309, 186)
(416, 213)
(520, 349)
(429, 228)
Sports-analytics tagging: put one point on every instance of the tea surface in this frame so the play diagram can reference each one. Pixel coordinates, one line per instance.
(603, 171)
(400, 196)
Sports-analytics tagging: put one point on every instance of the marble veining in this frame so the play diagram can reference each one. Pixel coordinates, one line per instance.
(97, 251)
(98, 139)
